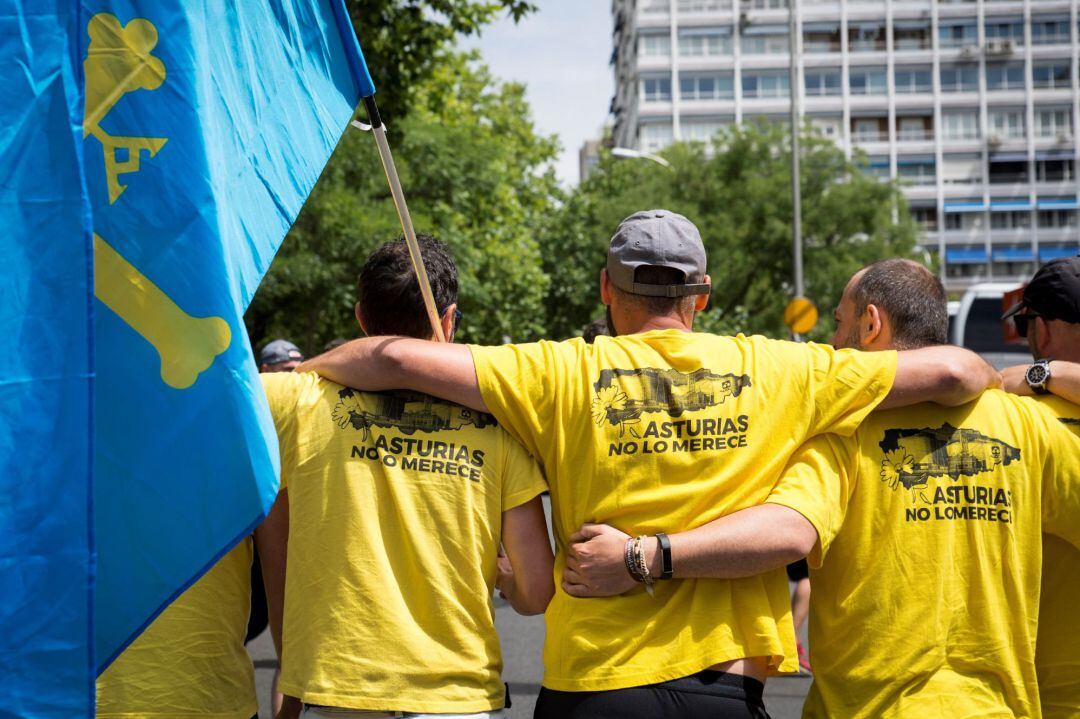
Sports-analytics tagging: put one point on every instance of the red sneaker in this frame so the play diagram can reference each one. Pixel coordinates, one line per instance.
(804, 658)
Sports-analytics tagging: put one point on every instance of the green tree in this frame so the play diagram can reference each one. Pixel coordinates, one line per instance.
(740, 199)
(404, 39)
(476, 174)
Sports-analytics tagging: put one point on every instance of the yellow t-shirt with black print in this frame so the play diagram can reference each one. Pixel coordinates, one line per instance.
(1057, 653)
(190, 661)
(395, 519)
(666, 431)
(925, 578)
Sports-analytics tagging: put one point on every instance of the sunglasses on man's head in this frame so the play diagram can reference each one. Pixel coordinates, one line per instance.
(1022, 320)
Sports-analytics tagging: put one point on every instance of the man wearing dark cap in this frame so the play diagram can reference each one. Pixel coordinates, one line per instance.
(1048, 316)
(660, 428)
(280, 356)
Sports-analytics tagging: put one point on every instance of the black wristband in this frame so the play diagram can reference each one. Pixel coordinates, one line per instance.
(665, 555)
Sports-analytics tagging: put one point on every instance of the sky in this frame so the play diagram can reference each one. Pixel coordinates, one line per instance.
(561, 53)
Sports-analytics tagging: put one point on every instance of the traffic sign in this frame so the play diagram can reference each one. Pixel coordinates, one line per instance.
(800, 315)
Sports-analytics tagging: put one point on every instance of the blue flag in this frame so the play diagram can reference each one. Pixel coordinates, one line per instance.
(206, 126)
(45, 379)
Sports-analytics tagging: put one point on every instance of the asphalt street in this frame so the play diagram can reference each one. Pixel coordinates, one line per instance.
(522, 639)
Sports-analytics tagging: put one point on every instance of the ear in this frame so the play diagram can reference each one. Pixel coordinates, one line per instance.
(870, 326)
(605, 287)
(702, 301)
(360, 318)
(1043, 337)
(447, 322)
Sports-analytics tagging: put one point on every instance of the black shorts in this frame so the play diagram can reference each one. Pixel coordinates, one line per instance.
(797, 571)
(716, 695)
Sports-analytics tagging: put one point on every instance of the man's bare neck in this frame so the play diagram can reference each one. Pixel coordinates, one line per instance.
(653, 324)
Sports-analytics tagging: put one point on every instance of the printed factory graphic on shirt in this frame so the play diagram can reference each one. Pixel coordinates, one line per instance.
(915, 456)
(623, 395)
(405, 411)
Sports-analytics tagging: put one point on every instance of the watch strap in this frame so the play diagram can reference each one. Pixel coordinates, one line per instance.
(665, 555)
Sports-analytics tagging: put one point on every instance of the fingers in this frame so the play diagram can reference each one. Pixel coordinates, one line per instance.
(588, 531)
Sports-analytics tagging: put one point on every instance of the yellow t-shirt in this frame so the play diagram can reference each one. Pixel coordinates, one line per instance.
(1057, 653)
(926, 575)
(665, 431)
(395, 519)
(190, 661)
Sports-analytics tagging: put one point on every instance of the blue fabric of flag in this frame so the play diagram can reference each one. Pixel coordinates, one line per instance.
(46, 566)
(206, 126)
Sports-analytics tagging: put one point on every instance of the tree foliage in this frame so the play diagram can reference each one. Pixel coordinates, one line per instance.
(740, 198)
(404, 39)
(477, 175)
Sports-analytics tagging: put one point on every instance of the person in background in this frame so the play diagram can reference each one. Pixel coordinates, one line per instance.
(659, 427)
(280, 356)
(799, 574)
(191, 660)
(336, 342)
(393, 507)
(928, 523)
(596, 328)
(1048, 316)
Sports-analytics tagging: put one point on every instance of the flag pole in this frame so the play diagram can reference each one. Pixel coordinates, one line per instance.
(379, 130)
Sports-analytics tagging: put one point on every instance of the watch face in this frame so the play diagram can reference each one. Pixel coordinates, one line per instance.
(1037, 375)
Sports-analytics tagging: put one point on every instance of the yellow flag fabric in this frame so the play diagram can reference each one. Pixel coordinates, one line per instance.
(1057, 655)
(926, 576)
(665, 431)
(395, 519)
(191, 661)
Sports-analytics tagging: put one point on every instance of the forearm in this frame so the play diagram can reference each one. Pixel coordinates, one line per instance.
(748, 542)
(946, 375)
(1065, 380)
(383, 363)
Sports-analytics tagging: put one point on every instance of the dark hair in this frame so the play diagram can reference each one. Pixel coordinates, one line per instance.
(389, 295)
(659, 275)
(911, 296)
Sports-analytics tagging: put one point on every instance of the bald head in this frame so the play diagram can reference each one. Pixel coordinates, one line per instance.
(893, 304)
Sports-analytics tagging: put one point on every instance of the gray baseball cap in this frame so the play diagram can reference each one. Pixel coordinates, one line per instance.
(661, 239)
(280, 351)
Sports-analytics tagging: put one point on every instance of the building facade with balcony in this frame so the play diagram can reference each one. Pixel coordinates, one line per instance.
(972, 105)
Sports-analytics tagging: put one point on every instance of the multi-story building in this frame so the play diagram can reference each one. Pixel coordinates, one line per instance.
(972, 105)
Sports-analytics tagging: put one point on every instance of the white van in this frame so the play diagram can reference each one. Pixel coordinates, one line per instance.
(977, 324)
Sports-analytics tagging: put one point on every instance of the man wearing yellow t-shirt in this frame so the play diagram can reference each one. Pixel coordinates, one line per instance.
(1049, 318)
(395, 506)
(661, 428)
(191, 660)
(929, 523)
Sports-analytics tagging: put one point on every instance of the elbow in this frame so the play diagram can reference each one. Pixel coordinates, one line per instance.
(964, 381)
(802, 542)
(534, 600)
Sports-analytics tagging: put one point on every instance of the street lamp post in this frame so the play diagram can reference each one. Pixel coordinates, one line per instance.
(796, 189)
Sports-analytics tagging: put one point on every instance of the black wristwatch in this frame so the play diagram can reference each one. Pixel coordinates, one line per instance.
(665, 555)
(1038, 375)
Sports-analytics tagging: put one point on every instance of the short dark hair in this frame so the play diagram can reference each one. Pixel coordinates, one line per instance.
(389, 294)
(913, 298)
(658, 275)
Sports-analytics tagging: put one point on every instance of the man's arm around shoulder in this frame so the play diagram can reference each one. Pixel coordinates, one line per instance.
(947, 375)
(440, 369)
(1064, 380)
